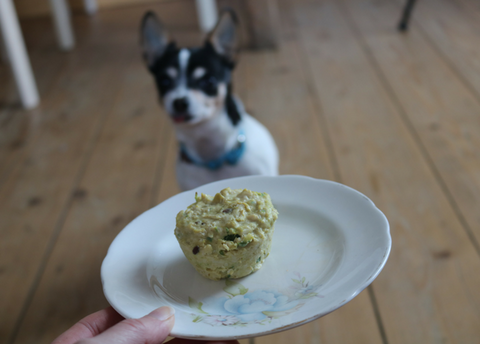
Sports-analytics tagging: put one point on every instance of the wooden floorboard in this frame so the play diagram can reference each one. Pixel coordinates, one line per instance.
(453, 32)
(7, 88)
(432, 255)
(18, 126)
(470, 7)
(281, 93)
(278, 96)
(422, 82)
(168, 184)
(346, 97)
(36, 195)
(116, 187)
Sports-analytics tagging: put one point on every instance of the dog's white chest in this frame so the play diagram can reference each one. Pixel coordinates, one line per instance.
(260, 157)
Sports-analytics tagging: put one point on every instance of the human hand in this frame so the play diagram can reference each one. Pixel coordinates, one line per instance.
(109, 327)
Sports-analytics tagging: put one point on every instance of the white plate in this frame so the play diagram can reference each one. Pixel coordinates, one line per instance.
(330, 243)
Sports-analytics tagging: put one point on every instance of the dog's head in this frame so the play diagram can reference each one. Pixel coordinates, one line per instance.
(193, 83)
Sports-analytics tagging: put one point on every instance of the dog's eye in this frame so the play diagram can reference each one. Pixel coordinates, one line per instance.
(209, 84)
(165, 81)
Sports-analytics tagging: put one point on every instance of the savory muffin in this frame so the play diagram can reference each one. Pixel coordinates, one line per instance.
(229, 235)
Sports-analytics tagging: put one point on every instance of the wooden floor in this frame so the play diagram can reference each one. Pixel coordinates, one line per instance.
(347, 98)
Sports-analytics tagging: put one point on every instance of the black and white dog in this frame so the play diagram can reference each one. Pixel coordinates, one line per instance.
(217, 138)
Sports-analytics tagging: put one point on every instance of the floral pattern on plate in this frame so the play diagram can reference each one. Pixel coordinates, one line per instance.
(241, 307)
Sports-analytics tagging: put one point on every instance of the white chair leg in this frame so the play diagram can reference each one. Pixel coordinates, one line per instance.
(63, 26)
(207, 14)
(17, 55)
(90, 6)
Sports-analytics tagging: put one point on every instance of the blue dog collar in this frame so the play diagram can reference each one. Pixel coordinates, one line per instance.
(231, 157)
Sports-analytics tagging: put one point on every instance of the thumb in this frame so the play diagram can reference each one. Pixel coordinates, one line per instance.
(152, 328)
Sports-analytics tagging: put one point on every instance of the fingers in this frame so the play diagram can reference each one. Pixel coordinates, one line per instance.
(90, 326)
(151, 329)
(191, 341)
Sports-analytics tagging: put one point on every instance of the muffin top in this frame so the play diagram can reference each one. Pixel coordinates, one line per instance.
(230, 220)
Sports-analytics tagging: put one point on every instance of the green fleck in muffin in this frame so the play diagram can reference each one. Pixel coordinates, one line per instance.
(229, 235)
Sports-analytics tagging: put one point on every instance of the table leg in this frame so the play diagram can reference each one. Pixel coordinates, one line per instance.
(17, 55)
(207, 14)
(63, 26)
(406, 14)
(90, 6)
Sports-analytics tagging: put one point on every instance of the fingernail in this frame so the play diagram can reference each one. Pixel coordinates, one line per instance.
(163, 313)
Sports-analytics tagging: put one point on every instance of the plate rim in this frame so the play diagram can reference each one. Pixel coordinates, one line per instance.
(385, 230)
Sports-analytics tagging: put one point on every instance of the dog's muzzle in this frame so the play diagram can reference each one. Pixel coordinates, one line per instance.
(180, 108)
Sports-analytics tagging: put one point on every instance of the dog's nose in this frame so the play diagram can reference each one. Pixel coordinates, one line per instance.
(180, 104)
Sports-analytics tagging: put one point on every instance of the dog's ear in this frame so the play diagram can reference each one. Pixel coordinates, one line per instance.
(224, 37)
(154, 38)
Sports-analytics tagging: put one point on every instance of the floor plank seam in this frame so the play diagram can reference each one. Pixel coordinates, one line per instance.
(342, 71)
(21, 158)
(61, 220)
(7, 173)
(317, 108)
(336, 170)
(355, 33)
(449, 63)
(161, 165)
(322, 122)
(400, 110)
(469, 10)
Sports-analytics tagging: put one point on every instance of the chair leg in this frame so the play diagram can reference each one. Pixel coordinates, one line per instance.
(407, 12)
(90, 6)
(17, 54)
(207, 14)
(63, 25)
